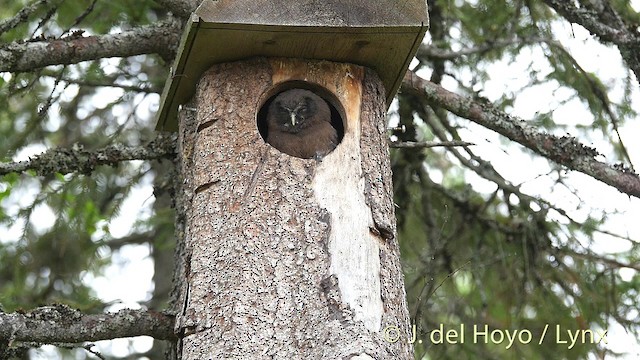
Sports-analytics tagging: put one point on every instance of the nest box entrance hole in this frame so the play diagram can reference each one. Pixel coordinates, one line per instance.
(293, 106)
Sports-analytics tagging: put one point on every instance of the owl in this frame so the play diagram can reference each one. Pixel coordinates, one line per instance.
(299, 124)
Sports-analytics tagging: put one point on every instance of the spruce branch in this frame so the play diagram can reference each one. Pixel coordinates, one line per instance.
(79, 160)
(565, 150)
(62, 324)
(607, 25)
(161, 38)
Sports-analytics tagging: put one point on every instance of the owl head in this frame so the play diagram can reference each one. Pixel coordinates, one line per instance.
(296, 109)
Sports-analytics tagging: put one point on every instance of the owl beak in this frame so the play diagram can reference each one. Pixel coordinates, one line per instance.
(293, 119)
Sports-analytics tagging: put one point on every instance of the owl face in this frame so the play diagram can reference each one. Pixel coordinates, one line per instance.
(299, 124)
(293, 110)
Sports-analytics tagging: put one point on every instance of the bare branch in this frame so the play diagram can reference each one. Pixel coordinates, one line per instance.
(21, 16)
(426, 144)
(77, 159)
(566, 151)
(432, 52)
(590, 20)
(144, 88)
(106, 81)
(135, 238)
(61, 324)
(590, 256)
(161, 38)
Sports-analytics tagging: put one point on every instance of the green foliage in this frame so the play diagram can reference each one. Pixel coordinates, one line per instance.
(46, 263)
(505, 259)
(55, 230)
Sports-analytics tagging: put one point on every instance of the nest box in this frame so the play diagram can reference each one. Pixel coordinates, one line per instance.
(381, 35)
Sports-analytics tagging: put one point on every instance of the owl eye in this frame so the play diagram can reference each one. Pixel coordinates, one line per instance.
(304, 110)
(284, 108)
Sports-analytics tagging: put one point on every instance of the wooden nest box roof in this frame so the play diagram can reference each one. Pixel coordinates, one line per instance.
(381, 35)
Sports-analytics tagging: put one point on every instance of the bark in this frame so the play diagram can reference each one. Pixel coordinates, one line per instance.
(161, 38)
(286, 258)
(61, 324)
(78, 159)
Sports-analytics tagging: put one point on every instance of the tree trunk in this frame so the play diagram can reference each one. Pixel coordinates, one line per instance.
(288, 258)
